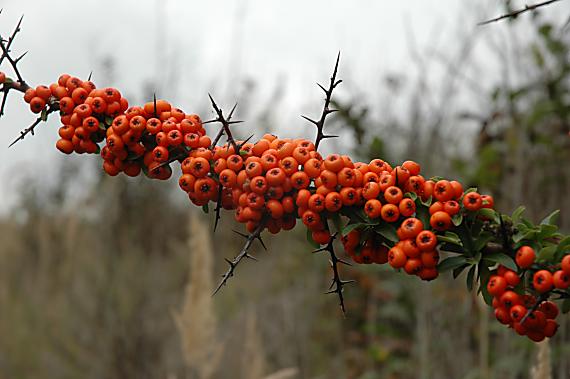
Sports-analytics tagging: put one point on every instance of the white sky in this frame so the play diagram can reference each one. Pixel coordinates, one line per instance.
(212, 46)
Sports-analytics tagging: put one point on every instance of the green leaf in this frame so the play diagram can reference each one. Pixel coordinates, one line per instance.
(468, 190)
(387, 231)
(565, 306)
(483, 273)
(350, 227)
(563, 245)
(551, 219)
(102, 126)
(457, 219)
(546, 254)
(411, 195)
(489, 214)
(518, 213)
(528, 235)
(458, 270)
(482, 240)
(501, 258)
(311, 240)
(470, 278)
(547, 231)
(454, 240)
(451, 263)
(205, 208)
(436, 178)
(44, 115)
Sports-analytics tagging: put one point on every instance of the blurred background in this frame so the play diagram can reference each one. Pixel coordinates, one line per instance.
(111, 277)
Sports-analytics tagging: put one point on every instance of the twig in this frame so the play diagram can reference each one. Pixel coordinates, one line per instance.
(244, 253)
(320, 124)
(30, 129)
(514, 14)
(337, 283)
(6, 51)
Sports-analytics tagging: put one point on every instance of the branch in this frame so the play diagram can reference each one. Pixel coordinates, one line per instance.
(30, 129)
(337, 283)
(320, 124)
(255, 235)
(514, 14)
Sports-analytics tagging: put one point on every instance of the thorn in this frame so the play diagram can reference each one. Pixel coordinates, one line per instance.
(89, 77)
(234, 122)
(20, 57)
(154, 103)
(251, 257)
(262, 243)
(329, 111)
(239, 233)
(232, 111)
(329, 136)
(340, 260)
(323, 88)
(310, 120)
(337, 83)
(210, 121)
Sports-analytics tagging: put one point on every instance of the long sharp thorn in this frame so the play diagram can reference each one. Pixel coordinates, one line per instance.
(240, 233)
(336, 66)
(209, 121)
(340, 260)
(337, 83)
(310, 120)
(20, 57)
(262, 243)
(232, 111)
(154, 104)
(329, 136)
(234, 122)
(321, 87)
(89, 77)
(251, 257)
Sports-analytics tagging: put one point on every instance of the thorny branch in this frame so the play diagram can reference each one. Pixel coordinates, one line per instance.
(320, 124)
(19, 84)
(515, 13)
(225, 129)
(244, 253)
(337, 284)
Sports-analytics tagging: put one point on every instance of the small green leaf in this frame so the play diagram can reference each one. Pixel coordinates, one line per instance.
(205, 208)
(528, 235)
(43, 115)
(489, 214)
(102, 126)
(472, 189)
(551, 219)
(546, 254)
(451, 263)
(457, 219)
(387, 231)
(470, 278)
(482, 241)
(458, 270)
(436, 178)
(563, 245)
(350, 227)
(449, 239)
(501, 258)
(547, 231)
(518, 213)
(411, 195)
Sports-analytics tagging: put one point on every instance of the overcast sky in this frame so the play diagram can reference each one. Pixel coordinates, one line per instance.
(213, 46)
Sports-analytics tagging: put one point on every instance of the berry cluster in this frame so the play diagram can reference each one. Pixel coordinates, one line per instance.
(395, 215)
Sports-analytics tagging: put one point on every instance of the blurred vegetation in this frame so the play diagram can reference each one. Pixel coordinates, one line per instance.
(112, 278)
